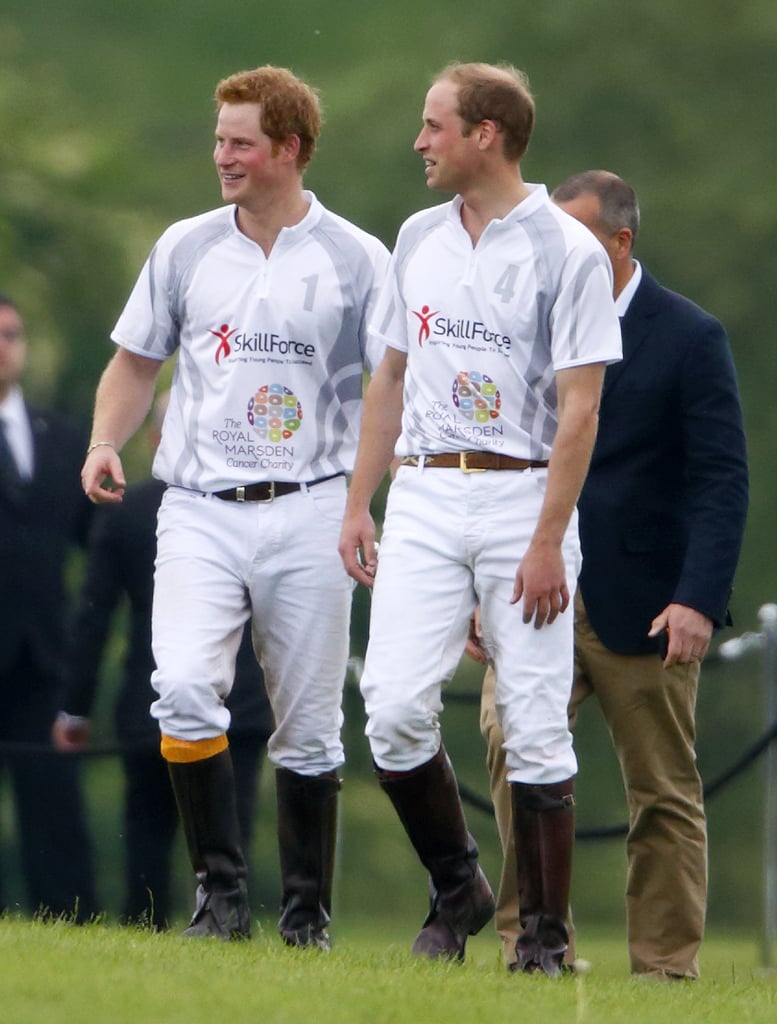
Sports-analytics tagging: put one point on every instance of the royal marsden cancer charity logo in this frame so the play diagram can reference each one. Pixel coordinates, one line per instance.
(274, 412)
(476, 396)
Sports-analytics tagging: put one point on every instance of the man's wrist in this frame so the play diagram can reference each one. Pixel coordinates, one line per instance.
(100, 444)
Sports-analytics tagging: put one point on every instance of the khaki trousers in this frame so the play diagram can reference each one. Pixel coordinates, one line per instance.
(650, 712)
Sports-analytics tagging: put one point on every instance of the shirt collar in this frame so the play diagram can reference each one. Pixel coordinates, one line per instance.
(18, 431)
(538, 195)
(13, 410)
(288, 235)
(623, 301)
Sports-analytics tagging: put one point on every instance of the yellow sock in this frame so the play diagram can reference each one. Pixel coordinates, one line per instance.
(184, 751)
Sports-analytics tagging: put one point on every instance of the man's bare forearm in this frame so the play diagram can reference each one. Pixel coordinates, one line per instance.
(380, 428)
(579, 395)
(124, 397)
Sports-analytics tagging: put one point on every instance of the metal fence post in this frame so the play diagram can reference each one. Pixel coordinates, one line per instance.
(767, 615)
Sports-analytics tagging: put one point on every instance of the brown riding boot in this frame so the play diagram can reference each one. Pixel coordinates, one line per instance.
(544, 824)
(461, 902)
(205, 793)
(307, 838)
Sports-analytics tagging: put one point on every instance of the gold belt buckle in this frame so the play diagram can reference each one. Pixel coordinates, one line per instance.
(464, 467)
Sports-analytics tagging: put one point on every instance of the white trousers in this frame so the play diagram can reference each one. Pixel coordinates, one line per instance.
(450, 541)
(220, 563)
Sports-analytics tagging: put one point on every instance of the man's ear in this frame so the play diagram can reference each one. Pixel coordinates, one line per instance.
(290, 147)
(624, 241)
(487, 132)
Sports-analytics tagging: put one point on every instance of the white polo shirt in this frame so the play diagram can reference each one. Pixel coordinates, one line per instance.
(486, 328)
(271, 350)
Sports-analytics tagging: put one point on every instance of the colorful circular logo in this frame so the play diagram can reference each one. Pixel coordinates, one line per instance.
(476, 396)
(274, 412)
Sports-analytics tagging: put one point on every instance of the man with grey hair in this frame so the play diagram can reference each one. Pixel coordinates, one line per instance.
(662, 514)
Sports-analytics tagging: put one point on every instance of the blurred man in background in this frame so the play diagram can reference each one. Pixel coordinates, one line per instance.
(43, 515)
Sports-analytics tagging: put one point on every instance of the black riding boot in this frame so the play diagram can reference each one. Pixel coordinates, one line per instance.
(428, 804)
(544, 825)
(205, 793)
(307, 838)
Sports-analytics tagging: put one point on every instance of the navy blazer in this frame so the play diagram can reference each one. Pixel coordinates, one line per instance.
(39, 522)
(663, 509)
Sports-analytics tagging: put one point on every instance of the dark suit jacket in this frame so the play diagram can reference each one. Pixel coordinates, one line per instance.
(39, 522)
(120, 562)
(663, 509)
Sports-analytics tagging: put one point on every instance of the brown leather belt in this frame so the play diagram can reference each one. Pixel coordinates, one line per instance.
(268, 490)
(472, 462)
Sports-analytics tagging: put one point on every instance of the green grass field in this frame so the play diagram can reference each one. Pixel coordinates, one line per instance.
(100, 973)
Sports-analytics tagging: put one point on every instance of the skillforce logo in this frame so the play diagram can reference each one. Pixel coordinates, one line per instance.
(223, 334)
(274, 412)
(443, 327)
(424, 316)
(231, 339)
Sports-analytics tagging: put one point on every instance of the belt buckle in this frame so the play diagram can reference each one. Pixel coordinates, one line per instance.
(266, 501)
(464, 467)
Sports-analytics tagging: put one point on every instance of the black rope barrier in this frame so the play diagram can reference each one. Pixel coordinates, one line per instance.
(468, 795)
(747, 758)
(711, 789)
(90, 753)
(93, 752)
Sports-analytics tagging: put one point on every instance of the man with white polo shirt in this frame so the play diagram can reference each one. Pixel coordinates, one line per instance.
(498, 319)
(264, 301)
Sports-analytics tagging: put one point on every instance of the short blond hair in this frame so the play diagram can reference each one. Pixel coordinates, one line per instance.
(498, 93)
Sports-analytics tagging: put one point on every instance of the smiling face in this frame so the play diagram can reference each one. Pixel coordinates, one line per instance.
(450, 157)
(246, 159)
